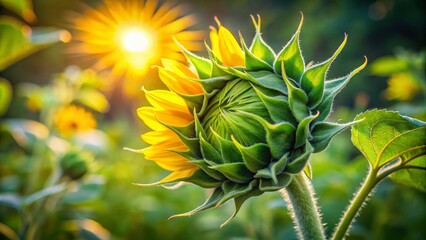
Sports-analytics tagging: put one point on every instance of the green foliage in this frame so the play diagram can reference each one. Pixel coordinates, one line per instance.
(391, 143)
(386, 66)
(19, 41)
(383, 136)
(61, 168)
(414, 175)
(22, 7)
(5, 95)
(406, 79)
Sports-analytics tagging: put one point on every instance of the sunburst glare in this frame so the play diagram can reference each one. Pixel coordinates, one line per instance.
(128, 37)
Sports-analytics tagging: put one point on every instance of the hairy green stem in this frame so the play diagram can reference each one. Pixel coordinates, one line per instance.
(355, 205)
(302, 204)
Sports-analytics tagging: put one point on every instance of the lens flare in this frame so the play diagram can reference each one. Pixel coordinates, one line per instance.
(136, 40)
(127, 37)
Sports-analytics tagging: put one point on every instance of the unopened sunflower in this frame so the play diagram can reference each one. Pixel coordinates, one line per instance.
(130, 36)
(245, 121)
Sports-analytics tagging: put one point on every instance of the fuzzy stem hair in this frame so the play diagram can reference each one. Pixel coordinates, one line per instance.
(301, 202)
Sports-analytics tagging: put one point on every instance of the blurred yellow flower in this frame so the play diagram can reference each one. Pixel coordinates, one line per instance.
(225, 46)
(402, 86)
(34, 102)
(72, 119)
(129, 36)
(170, 109)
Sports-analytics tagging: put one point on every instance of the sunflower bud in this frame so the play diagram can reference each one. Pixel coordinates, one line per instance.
(74, 164)
(253, 122)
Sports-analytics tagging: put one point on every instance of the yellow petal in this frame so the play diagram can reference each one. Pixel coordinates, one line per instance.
(174, 176)
(175, 146)
(178, 83)
(152, 153)
(147, 114)
(158, 137)
(174, 165)
(178, 68)
(230, 50)
(214, 40)
(168, 160)
(174, 118)
(167, 100)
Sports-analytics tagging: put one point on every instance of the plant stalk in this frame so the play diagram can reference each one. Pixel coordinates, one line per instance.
(301, 202)
(355, 205)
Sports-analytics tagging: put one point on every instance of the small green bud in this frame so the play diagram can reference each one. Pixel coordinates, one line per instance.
(74, 164)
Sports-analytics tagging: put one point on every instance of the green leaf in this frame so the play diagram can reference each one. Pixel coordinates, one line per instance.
(297, 98)
(302, 131)
(26, 132)
(228, 149)
(236, 172)
(313, 79)
(210, 85)
(386, 66)
(292, 56)
(202, 65)
(252, 62)
(259, 47)
(414, 175)
(404, 143)
(273, 170)
(282, 181)
(255, 157)
(93, 99)
(209, 203)
(22, 7)
(199, 130)
(195, 102)
(91, 230)
(280, 137)
(308, 171)
(323, 132)
(43, 193)
(233, 190)
(268, 80)
(17, 43)
(299, 159)
(87, 191)
(188, 137)
(278, 107)
(218, 70)
(332, 88)
(205, 167)
(239, 202)
(5, 95)
(11, 200)
(209, 152)
(383, 136)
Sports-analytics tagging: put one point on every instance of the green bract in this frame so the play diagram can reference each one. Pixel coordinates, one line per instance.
(256, 125)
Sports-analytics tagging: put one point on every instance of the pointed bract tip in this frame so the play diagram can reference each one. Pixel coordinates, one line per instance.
(256, 23)
(243, 43)
(133, 150)
(299, 28)
(339, 49)
(217, 21)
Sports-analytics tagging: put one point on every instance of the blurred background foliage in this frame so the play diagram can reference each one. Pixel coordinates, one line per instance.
(57, 186)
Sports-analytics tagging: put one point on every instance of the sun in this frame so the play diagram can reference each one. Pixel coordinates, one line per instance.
(136, 40)
(128, 37)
